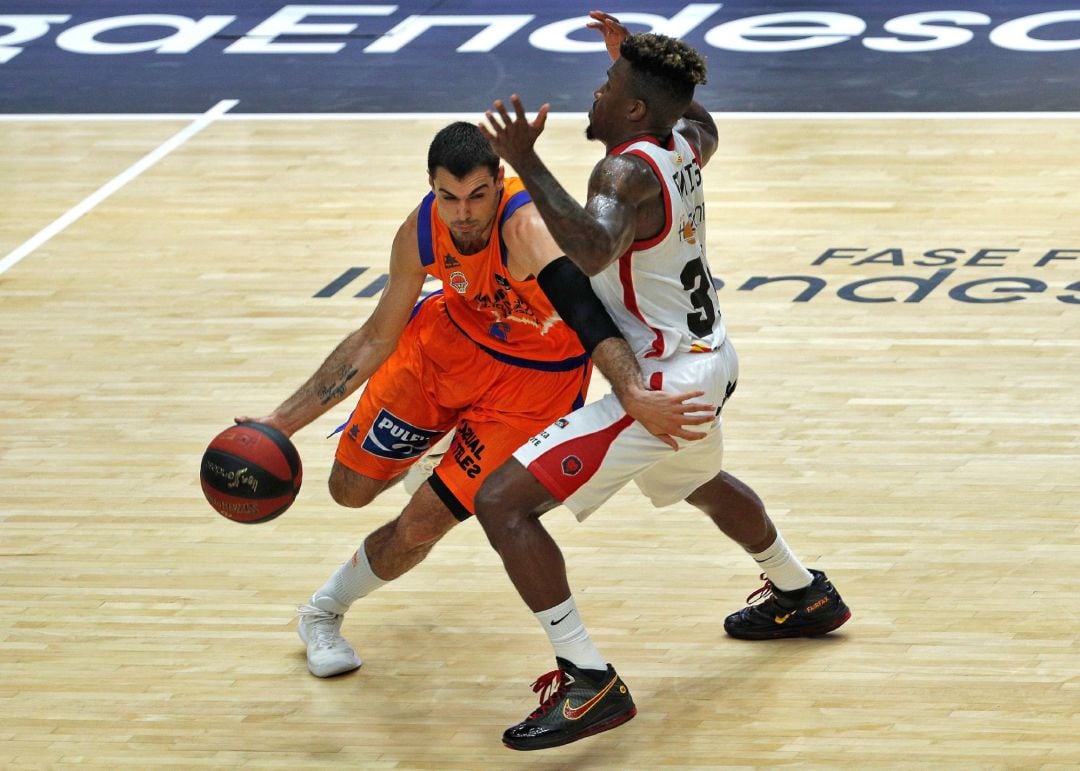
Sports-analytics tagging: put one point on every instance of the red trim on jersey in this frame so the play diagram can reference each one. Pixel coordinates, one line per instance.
(617, 149)
(648, 243)
(566, 467)
(669, 145)
(626, 278)
(694, 150)
(625, 272)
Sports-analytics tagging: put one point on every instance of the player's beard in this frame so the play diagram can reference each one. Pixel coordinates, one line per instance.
(474, 238)
(590, 132)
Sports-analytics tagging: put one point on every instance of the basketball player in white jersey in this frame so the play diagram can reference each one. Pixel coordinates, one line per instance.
(641, 239)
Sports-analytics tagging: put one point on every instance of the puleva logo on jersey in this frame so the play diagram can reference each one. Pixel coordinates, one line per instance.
(393, 438)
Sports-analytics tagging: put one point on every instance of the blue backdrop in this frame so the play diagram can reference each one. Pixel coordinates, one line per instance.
(456, 55)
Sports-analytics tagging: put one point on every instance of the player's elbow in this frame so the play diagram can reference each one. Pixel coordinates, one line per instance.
(593, 261)
(592, 267)
(499, 507)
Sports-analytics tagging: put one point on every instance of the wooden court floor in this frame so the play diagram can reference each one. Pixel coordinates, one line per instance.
(924, 453)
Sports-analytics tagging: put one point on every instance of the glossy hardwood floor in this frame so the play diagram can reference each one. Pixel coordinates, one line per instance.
(924, 453)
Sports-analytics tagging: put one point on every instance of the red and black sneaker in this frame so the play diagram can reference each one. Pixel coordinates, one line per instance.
(808, 612)
(573, 705)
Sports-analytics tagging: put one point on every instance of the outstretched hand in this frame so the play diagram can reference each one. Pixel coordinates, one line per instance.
(612, 30)
(667, 415)
(513, 139)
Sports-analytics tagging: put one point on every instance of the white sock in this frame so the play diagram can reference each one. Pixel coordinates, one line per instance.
(569, 637)
(782, 567)
(353, 580)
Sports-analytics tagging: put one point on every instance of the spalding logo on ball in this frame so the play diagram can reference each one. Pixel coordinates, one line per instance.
(251, 473)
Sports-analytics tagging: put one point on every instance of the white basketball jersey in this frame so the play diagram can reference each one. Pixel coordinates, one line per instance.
(660, 293)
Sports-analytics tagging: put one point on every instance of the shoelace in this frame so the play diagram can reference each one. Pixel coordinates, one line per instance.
(764, 593)
(550, 687)
(324, 638)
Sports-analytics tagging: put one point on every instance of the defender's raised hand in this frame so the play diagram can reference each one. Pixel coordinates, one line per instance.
(513, 138)
(612, 30)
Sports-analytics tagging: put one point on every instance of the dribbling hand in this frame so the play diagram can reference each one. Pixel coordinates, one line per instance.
(267, 420)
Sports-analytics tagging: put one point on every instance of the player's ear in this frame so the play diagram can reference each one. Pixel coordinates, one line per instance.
(500, 175)
(637, 110)
(431, 181)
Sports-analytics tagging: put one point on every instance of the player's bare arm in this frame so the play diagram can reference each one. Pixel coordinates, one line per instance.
(529, 245)
(625, 199)
(531, 249)
(664, 415)
(592, 237)
(699, 129)
(357, 357)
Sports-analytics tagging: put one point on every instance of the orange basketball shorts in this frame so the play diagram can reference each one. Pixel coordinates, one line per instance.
(438, 379)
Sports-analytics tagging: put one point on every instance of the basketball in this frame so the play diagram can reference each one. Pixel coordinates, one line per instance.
(251, 473)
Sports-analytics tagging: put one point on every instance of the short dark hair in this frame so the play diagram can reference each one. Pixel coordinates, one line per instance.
(459, 148)
(664, 72)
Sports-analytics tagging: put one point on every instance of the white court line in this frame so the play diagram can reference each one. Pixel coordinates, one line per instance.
(110, 187)
(60, 117)
(376, 116)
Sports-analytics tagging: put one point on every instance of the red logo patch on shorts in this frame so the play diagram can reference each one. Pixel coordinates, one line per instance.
(571, 465)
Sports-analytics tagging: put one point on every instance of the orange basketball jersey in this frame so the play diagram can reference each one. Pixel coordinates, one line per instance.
(512, 320)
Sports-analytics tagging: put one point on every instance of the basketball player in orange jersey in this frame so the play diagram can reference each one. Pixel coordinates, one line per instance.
(488, 356)
(641, 239)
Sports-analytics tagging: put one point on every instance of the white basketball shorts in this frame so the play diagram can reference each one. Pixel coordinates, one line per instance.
(585, 457)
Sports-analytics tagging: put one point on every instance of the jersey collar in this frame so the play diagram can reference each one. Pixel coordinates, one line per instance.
(669, 144)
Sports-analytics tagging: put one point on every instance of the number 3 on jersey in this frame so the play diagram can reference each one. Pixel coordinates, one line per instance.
(696, 280)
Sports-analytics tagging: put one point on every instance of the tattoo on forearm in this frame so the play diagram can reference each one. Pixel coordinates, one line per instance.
(574, 229)
(570, 225)
(328, 394)
(592, 234)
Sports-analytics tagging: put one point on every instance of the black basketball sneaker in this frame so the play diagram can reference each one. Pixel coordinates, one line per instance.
(573, 705)
(808, 612)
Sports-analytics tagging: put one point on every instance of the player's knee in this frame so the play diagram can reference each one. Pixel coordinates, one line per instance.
(483, 503)
(350, 489)
(350, 497)
(486, 510)
(498, 518)
(490, 499)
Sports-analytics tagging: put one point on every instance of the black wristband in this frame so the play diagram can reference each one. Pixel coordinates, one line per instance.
(571, 292)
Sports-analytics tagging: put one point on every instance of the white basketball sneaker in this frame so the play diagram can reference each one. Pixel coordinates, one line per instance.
(328, 653)
(421, 470)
